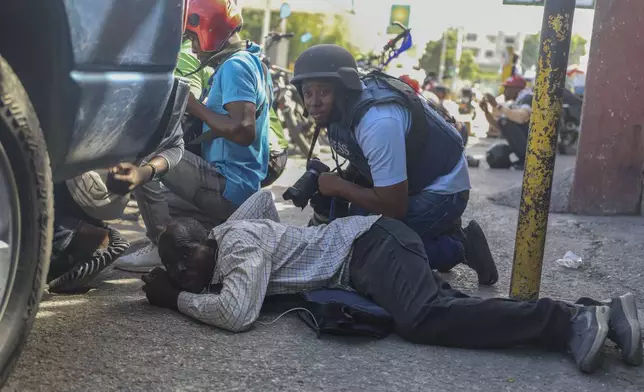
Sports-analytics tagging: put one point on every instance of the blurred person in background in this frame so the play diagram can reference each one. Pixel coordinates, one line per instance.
(512, 117)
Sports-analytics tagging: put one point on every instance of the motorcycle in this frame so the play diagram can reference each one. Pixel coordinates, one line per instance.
(466, 104)
(569, 126)
(379, 62)
(287, 102)
(290, 109)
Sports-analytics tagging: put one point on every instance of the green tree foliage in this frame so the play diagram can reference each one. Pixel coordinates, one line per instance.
(530, 54)
(431, 59)
(300, 23)
(577, 49)
(468, 68)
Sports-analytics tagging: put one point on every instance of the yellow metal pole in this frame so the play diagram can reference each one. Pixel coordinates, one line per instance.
(542, 141)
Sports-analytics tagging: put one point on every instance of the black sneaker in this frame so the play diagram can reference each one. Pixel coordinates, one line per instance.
(589, 329)
(625, 328)
(478, 255)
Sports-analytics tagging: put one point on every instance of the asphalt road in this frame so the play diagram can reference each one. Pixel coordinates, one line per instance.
(110, 339)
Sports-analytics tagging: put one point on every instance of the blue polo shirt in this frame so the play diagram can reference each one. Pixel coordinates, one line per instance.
(381, 136)
(240, 78)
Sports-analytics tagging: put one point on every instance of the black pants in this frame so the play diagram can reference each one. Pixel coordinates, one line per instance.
(516, 136)
(389, 266)
(67, 217)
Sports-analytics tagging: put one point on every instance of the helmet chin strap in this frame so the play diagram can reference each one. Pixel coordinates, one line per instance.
(219, 57)
(232, 45)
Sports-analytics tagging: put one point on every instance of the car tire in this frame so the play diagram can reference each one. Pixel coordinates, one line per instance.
(26, 183)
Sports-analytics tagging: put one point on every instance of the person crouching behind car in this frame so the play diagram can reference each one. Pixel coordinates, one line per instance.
(235, 147)
(199, 77)
(83, 244)
(190, 68)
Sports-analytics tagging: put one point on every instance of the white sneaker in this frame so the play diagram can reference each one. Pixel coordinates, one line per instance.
(143, 260)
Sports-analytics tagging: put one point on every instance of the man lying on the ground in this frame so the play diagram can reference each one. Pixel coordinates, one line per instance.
(222, 279)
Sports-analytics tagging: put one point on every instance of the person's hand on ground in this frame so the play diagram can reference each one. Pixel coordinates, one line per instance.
(159, 290)
(125, 177)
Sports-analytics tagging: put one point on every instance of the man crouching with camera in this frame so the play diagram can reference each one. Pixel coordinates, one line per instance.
(222, 277)
(409, 158)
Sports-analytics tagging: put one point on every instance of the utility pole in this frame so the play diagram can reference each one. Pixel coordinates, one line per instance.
(457, 59)
(281, 57)
(441, 67)
(542, 147)
(266, 25)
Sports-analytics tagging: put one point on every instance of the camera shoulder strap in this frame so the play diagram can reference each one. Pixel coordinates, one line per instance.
(316, 133)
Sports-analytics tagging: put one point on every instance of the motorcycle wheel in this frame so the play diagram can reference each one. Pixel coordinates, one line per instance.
(295, 132)
(568, 137)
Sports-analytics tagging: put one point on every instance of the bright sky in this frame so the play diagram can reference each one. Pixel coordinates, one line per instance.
(429, 18)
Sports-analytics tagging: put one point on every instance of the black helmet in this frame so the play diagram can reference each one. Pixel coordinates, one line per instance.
(327, 61)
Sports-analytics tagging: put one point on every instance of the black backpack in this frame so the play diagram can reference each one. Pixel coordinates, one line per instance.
(498, 156)
(345, 313)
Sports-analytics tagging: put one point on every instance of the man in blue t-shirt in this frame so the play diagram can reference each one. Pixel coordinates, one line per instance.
(240, 149)
(235, 145)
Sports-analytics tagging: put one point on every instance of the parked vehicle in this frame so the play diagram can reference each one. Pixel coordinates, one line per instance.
(83, 85)
(286, 100)
(570, 123)
(466, 103)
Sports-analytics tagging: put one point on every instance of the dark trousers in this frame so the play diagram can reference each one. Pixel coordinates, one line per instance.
(68, 216)
(436, 219)
(389, 265)
(516, 136)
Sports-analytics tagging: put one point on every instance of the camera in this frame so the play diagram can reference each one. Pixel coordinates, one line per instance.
(307, 185)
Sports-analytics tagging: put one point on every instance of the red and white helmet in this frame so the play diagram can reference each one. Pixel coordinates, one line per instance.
(213, 22)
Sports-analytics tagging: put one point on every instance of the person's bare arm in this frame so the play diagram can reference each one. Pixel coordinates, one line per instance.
(519, 115)
(489, 116)
(238, 126)
(390, 201)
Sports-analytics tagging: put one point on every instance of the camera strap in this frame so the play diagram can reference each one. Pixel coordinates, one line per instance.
(316, 133)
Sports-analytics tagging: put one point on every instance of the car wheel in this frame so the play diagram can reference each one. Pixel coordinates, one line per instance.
(26, 217)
